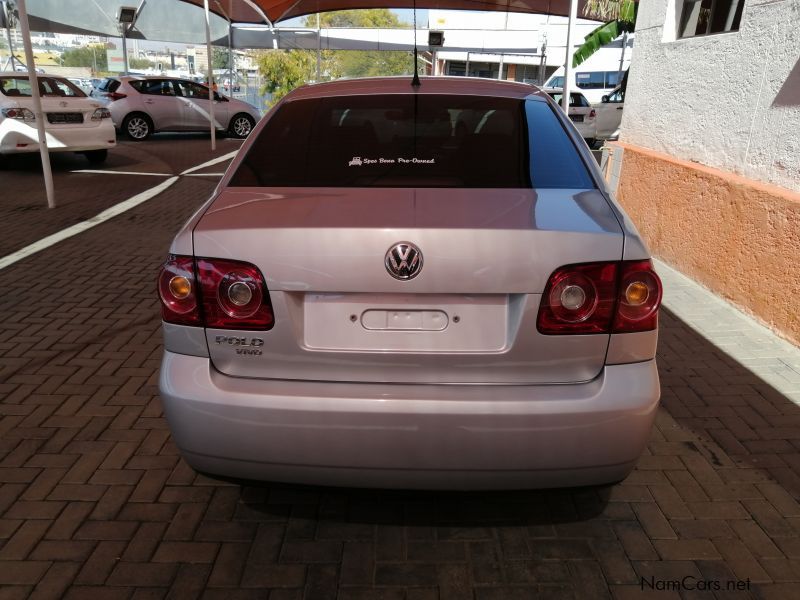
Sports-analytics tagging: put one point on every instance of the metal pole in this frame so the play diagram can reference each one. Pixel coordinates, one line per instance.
(622, 57)
(124, 48)
(542, 60)
(466, 73)
(319, 51)
(573, 13)
(210, 79)
(500, 71)
(37, 103)
(10, 48)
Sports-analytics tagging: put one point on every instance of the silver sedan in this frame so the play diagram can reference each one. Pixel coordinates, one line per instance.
(421, 287)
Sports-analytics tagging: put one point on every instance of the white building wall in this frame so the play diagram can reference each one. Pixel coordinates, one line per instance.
(730, 100)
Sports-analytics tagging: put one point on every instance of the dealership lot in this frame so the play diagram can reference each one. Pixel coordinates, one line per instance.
(95, 501)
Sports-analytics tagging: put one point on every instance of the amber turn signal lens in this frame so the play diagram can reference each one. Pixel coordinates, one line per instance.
(636, 293)
(180, 287)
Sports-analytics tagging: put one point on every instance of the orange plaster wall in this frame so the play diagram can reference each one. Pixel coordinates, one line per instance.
(736, 236)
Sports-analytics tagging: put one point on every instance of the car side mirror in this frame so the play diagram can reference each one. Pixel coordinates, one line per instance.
(605, 99)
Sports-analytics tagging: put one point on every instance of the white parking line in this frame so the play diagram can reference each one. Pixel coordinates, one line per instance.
(102, 217)
(214, 161)
(205, 174)
(109, 213)
(120, 172)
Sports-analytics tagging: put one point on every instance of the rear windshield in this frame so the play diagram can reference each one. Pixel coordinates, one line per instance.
(17, 85)
(413, 140)
(109, 84)
(575, 100)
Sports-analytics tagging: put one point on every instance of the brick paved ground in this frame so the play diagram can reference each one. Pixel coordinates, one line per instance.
(96, 503)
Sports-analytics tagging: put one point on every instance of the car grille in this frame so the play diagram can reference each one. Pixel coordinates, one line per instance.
(576, 118)
(65, 117)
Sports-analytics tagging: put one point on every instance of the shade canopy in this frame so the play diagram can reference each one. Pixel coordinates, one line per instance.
(183, 20)
(250, 11)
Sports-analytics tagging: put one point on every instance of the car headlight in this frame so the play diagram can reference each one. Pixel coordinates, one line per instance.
(100, 114)
(22, 114)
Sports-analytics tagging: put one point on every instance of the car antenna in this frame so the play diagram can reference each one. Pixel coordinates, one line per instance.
(415, 79)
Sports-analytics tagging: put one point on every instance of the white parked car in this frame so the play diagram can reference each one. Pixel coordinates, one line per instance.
(609, 115)
(73, 122)
(141, 106)
(581, 113)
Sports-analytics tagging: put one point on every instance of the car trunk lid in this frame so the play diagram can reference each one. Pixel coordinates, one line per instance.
(469, 316)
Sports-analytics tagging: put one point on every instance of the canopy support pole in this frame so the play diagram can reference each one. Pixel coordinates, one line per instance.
(573, 13)
(37, 103)
(209, 62)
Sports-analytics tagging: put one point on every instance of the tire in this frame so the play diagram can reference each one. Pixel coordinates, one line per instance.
(96, 157)
(241, 125)
(137, 126)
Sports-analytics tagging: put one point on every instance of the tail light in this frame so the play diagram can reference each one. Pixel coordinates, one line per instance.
(178, 291)
(639, 298)
(213, 292)
(592, 114)
(22, 114)
(609, 297)
(101, 113)
(115, 96)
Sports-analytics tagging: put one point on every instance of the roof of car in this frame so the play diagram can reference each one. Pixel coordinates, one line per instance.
(560, 91)
(468, 86)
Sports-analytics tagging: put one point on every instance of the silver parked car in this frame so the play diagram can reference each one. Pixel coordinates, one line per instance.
(141, 106)
(423, 287)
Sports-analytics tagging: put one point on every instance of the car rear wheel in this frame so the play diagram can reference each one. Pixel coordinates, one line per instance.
(241, 125)
(96, 157)
(137, 126)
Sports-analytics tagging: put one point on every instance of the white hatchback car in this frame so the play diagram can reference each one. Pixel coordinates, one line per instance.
(73, 122)
(581, 113)
(141, 106)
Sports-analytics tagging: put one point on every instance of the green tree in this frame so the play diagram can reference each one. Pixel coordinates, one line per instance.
(285, 70)
(140, 63)
(619, 17)
(219, 58)
(86, 57)
(360, 63)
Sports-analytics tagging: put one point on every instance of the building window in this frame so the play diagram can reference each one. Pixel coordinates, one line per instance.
(704, 17)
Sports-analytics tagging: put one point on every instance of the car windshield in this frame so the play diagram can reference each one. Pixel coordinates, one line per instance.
(412, 140)
(17, 85)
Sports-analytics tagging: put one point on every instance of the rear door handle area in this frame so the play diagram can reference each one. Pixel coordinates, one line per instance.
(620, 107)
(148, 101)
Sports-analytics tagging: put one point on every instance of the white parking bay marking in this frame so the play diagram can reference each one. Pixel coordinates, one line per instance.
(101, 172)
(205, 174)
(102, 217)
(214, 161)
(109, 213)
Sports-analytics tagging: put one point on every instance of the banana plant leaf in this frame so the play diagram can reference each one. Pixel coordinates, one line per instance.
(607, 32)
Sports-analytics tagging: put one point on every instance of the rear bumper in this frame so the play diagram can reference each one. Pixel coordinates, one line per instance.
(16, 137)
(410, 436)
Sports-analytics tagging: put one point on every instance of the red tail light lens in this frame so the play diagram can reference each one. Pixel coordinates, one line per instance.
(115, 96)
(176, 287)
(579, 299)
(592, 114)
(640, 293)
(211, 292)
(234, 295)
(611, 297)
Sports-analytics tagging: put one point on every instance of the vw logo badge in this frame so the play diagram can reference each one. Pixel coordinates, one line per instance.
(403, 261)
